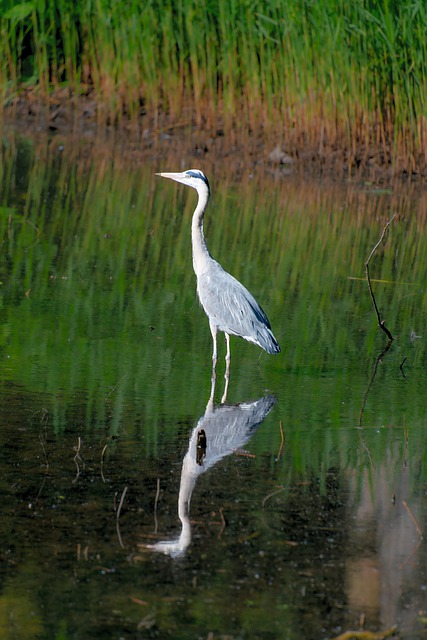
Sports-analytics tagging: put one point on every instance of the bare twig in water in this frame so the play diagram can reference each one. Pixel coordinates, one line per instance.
(413, 518)
(270, 495)
(79, 552)
(44, 416)
(282, 441)
(42, 438)
(42, 442)
(418, 530)
(78, 458)
(405, 431)
(112, 390)
(412, 554)
(401, 366)
(121, 503)
(368, 452)
(118, 516)
(156, 500)
(381, 322)
(244, 453)
(147, 622)
(37, 230)
(143, 603)
(367, 635)
(102, 463)
(223, 522)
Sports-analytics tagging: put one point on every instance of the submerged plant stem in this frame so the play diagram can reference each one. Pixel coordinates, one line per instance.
(367, 635)
(413, 518)
(118, 516)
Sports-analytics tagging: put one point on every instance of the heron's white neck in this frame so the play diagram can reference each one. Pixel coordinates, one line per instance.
(201, 254)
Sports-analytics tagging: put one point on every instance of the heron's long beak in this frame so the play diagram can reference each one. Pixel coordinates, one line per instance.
(178, 177)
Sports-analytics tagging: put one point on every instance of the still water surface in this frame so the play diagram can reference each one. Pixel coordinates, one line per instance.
(132, 507)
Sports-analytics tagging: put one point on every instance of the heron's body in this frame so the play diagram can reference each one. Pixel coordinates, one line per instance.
(230, 307)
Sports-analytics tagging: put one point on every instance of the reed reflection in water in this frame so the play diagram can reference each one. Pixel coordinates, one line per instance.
(222, 430)
(102, 340)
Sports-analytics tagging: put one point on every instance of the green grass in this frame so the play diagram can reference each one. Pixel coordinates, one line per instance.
(327, 75)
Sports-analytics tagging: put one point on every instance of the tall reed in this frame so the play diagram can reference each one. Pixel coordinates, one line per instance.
(346, 78)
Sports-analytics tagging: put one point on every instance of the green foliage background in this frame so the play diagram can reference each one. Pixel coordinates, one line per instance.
(342, 77)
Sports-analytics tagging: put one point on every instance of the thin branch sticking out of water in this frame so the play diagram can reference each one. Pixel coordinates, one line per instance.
(118, 516)
(102, 462)
(381, 322)
(282, 441)
(156, 500)
(405, 430)
(77, 459)
(413, 518)
(417, 529)
(270, 495)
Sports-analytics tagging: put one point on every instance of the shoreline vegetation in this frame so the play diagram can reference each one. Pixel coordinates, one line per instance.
(327, 86)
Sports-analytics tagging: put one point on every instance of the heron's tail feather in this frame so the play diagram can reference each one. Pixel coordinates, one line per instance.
(267, 341)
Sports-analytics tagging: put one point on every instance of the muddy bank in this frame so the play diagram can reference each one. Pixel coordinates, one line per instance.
(239, 149)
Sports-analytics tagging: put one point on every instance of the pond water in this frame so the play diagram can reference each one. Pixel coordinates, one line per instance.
(308, 488)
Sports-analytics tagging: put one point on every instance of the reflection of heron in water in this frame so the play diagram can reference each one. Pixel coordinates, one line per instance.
(220, 431)
(227, 303)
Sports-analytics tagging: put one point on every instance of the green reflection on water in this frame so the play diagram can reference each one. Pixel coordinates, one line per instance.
(101, 337)
(99, 305)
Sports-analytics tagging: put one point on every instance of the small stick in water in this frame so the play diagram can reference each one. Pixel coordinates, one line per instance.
(381, 322)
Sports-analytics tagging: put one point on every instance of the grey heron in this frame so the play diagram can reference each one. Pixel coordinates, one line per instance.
(221, 431)
(227, 303)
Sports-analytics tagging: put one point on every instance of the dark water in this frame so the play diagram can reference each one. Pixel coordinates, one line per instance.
(308, 489)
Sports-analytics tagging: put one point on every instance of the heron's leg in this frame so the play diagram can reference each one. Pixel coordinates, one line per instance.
(224, 395)
(228, 354)
(227, 369)
(213, 383)
(214, 331)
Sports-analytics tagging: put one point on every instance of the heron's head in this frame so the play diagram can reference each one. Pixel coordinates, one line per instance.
(192, 178)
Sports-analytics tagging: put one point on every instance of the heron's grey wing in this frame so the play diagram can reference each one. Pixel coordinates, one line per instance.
(228, 303)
